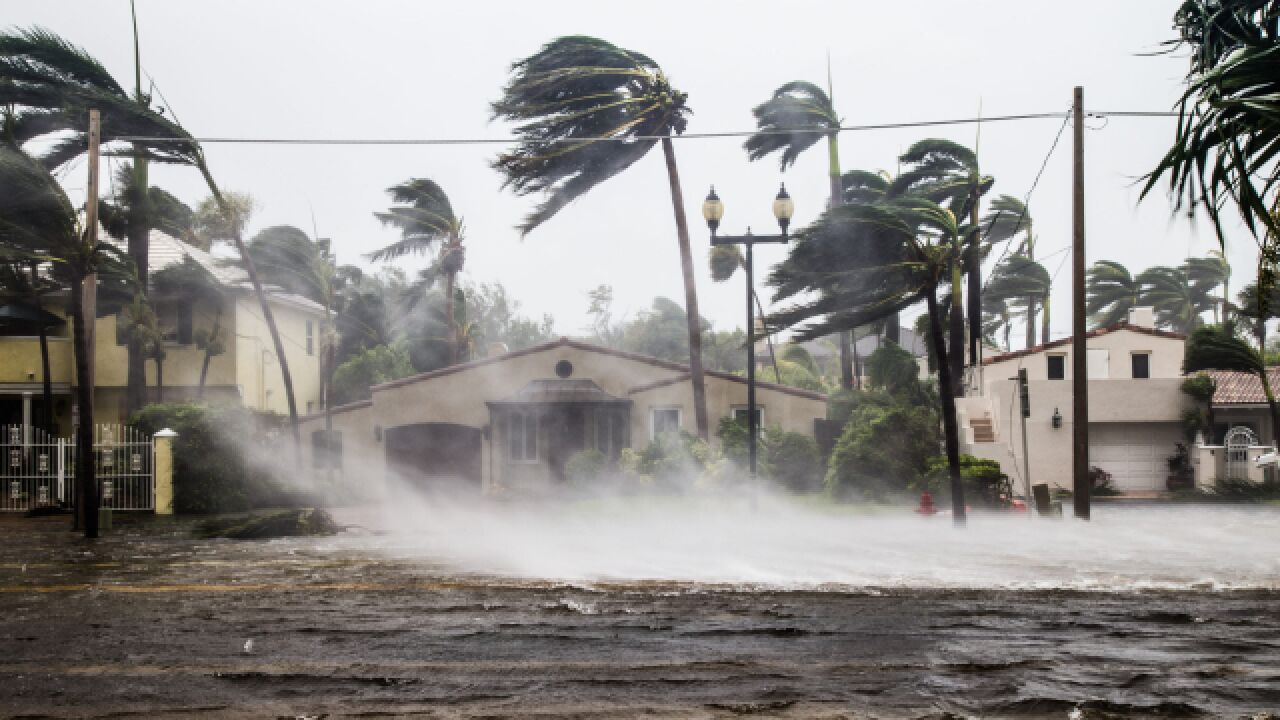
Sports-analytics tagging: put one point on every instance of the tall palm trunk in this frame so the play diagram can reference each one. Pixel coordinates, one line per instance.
(159, 379)
(950, 429)
(46, 411)
(690, 292)
(1044, 322)
(1031, 299)
(768, 338)
(208, 349)
(139, 242)
(86, 481)
(956, 344)
(267, 315)
(451, 322)
(837, 199)
(975, 281)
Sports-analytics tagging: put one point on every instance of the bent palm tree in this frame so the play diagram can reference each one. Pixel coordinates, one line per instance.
(1007, 218)
(1258, 311)
(1205, 275)
(585, 111)
(864, 262)
(425, 218)
(1177, 303)
(1023, 281)
(792, 121)
(1111, 292)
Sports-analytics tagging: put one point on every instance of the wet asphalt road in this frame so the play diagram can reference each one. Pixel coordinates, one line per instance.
(149, 622)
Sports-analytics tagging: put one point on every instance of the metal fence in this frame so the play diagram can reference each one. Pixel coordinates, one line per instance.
(39, 469)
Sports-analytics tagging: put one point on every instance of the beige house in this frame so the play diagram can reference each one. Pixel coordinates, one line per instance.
(247, 372)
(511, 422)
(1135, 407)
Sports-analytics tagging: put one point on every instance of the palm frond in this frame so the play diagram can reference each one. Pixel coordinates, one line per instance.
(797, 116)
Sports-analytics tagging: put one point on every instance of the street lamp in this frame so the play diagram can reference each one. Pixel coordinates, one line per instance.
(713, 211)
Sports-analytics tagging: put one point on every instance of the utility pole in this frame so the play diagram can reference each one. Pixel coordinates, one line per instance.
(87, 505)
(1024, 395)
(1079, 358)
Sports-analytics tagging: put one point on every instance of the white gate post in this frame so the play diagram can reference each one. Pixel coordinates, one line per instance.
(162, 467)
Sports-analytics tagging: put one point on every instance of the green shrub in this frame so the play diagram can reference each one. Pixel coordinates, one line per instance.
(884, 449)
(586, 467)
(892, 369)
(353, 379)
(673, 461)
(984, 483)
(793, 461)
(212, 472)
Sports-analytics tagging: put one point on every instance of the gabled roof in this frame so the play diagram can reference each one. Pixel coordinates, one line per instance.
(1232, 387)
(682, 370)
(1099, 332)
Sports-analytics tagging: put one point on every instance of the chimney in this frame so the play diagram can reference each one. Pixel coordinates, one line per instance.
(1142, 317)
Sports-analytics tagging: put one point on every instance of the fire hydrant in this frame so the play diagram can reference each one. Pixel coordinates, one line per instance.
(926, 504)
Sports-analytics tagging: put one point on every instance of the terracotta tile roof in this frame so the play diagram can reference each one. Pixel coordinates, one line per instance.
(1233, 387)
(1091, 334)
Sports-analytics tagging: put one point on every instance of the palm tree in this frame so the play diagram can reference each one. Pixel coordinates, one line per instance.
(1111, 292)
(1020, 280)
(1177, 303)
(725, 260)
(1258, 313)
(791, 121)
(53, 85)
(425, 218)
(1207, 273)
(860, 263)
(947, 173)
(997, 317)
(1218, 348)
(1007, 218)
(862, 186)
(193, 282)
(38, 223)
(564, 99)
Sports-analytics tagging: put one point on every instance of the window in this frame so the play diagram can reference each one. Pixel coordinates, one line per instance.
(606, 430)
(740, 415)
(1141, 364)
(522, 437)
(185, 322)
(665, 420)
(1057, 367)
(311, 334)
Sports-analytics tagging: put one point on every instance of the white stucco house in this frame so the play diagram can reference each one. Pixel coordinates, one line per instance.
(1136, 407)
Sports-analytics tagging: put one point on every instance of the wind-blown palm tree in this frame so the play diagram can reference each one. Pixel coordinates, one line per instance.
(1020, 280)
(1217, 348)
(1256, 312)
(997, 317)
(585, 110)
(1205, 275)
(863, 186)
(791, 121)
(193, 282)
(38, 223)
(864, 262)
(1110, 293)
(1007, 219)
(53, 84)
(948, 173)
(1177, 303)
(426, 221)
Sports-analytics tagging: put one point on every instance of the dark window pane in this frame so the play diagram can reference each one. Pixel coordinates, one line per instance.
(1141, 365)
(1057, 367)
(184, 322)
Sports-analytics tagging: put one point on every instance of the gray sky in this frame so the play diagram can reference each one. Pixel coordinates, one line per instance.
(401, 69)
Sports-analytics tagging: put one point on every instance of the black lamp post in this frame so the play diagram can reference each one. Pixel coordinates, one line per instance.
(713, 211)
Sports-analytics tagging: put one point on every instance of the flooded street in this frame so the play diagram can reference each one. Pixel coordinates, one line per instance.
(379, 621)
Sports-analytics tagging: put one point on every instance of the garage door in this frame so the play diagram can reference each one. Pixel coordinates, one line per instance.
(435, 456)
(1134, 453)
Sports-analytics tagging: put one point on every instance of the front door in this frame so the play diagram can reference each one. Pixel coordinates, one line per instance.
(568, 431)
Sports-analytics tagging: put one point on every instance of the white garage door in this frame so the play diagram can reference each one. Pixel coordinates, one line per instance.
(1134, 453)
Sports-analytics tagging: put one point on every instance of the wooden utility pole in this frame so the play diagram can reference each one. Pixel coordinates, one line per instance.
(86, 481)
(1081, 486)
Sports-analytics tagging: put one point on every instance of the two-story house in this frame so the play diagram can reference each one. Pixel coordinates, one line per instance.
(246, 371)
(1135, 407)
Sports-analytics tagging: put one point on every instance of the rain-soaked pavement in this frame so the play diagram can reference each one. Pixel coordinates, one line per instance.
(150, 622)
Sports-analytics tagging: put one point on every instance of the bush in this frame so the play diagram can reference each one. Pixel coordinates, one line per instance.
(884, 449)
(984, 483)
(212, 472)
(793, 461)
(586, 467)
(353, 379)
(672, 462)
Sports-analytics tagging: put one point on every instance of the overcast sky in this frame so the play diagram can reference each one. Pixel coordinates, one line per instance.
(405, 69)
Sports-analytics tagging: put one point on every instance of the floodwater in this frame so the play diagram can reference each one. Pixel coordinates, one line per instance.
(657, 610)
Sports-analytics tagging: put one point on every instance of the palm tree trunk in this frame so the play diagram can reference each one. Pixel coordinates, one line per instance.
(956, 344)
(950, 429)
(1031, 322)
(86, 481)
(690, 292)
(46, 412)
(208, 349)
(451, 322)
(139, 241)
(1044, 322)
(846, 360)
(975, 282)
(159, 380)
(837, 199)
(267, 315)
(768, 338)
(893, 328)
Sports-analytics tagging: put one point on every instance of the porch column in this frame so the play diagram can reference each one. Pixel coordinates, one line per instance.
(163, 469)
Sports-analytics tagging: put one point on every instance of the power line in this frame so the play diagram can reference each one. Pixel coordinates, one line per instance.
(633, 138)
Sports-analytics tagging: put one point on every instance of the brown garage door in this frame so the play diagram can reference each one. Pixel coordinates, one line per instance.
(434, 455)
